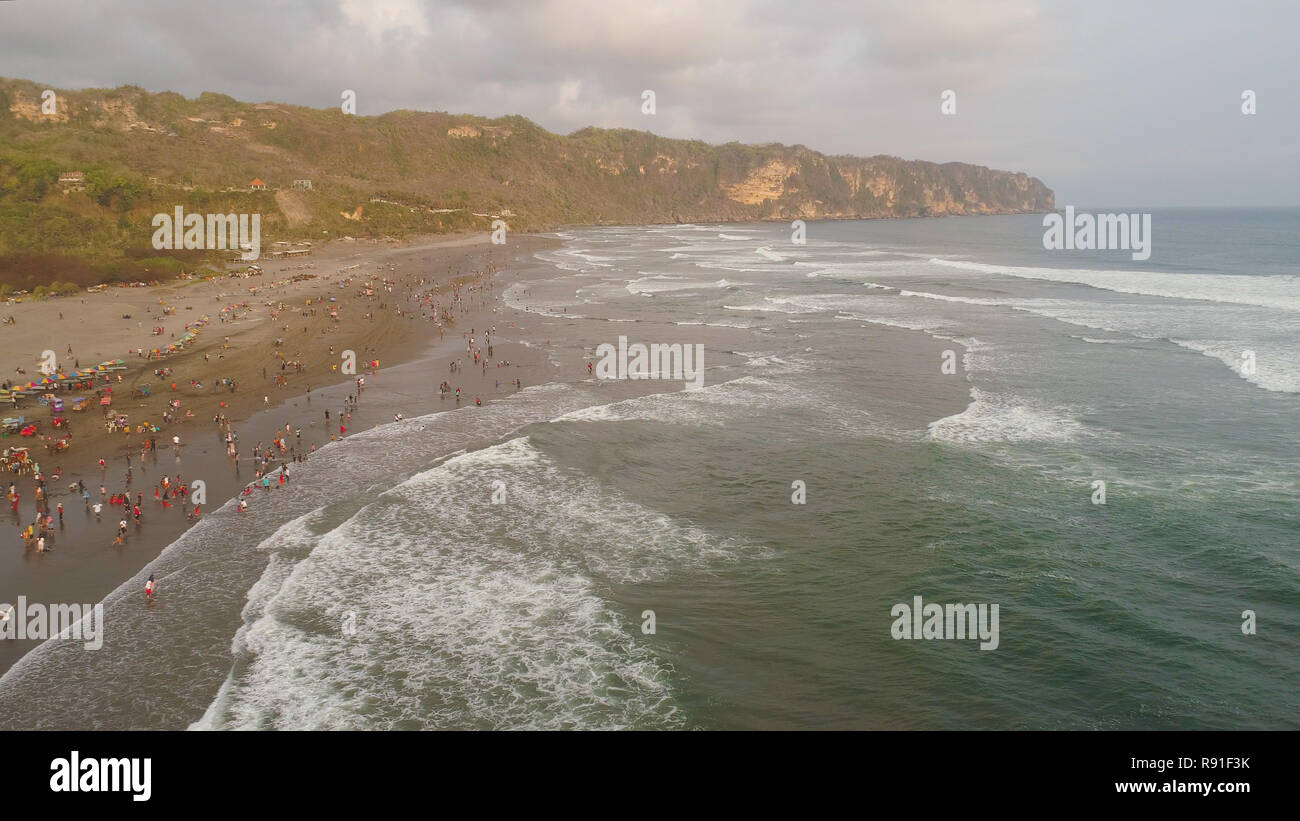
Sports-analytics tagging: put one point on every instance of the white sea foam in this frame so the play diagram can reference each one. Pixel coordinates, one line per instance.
(1276, 368)
(721, 323)
(771, 361)
(463, 620)
(779, 305)
(710, 406)
(1222, 332)
(659, 283)
(663, 283)
(1282, 292)
(1092, 340)
(992, 419)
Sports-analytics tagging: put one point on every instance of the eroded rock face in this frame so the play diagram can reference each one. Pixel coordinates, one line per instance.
(435, 171)
(463, 132)
(810, 185)
(29, 108)
(762, 184)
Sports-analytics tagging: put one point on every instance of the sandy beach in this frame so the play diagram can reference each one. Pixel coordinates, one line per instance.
(245, 316)
(545, 347)
(390, 323)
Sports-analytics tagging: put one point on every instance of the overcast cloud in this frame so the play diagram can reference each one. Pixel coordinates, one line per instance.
(1109, 103)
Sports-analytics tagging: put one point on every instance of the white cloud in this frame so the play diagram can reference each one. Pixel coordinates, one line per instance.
(1077, 94)
(380, 18)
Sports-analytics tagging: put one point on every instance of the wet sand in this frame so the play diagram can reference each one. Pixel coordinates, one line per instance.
(84, 564)
(164, 660)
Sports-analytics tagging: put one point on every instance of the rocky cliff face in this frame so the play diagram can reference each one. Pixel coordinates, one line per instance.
(429, 171)
(814, 186)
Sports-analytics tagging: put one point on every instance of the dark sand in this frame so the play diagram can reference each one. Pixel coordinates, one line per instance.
(84, 564)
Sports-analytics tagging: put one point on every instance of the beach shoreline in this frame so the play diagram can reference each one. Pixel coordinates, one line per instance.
(544, 347)
(83, 564)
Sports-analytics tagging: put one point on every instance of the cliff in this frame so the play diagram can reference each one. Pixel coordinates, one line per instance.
(411, 172)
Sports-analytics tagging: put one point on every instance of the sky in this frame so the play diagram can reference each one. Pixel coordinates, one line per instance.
(1108, 103)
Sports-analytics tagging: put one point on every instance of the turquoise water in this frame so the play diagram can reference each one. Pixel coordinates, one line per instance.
(824, 367)
(1083, 367)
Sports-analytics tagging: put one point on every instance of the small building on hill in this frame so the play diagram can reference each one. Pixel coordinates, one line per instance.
(304, 185)
(72, 180)
(257, 185)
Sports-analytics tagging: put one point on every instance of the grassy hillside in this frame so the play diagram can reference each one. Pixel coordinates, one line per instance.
(401, 173)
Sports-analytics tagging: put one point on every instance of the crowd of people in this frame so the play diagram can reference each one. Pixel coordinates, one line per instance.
(123, 495)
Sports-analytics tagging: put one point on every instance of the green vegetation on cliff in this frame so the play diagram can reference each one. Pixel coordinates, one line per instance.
(398, 174)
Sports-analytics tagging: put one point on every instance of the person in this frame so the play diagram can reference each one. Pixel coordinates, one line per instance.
(243, 505)
(149, 587)
(60, 514)
(98, 507)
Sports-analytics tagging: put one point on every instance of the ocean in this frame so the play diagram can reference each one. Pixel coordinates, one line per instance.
(586, 554)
